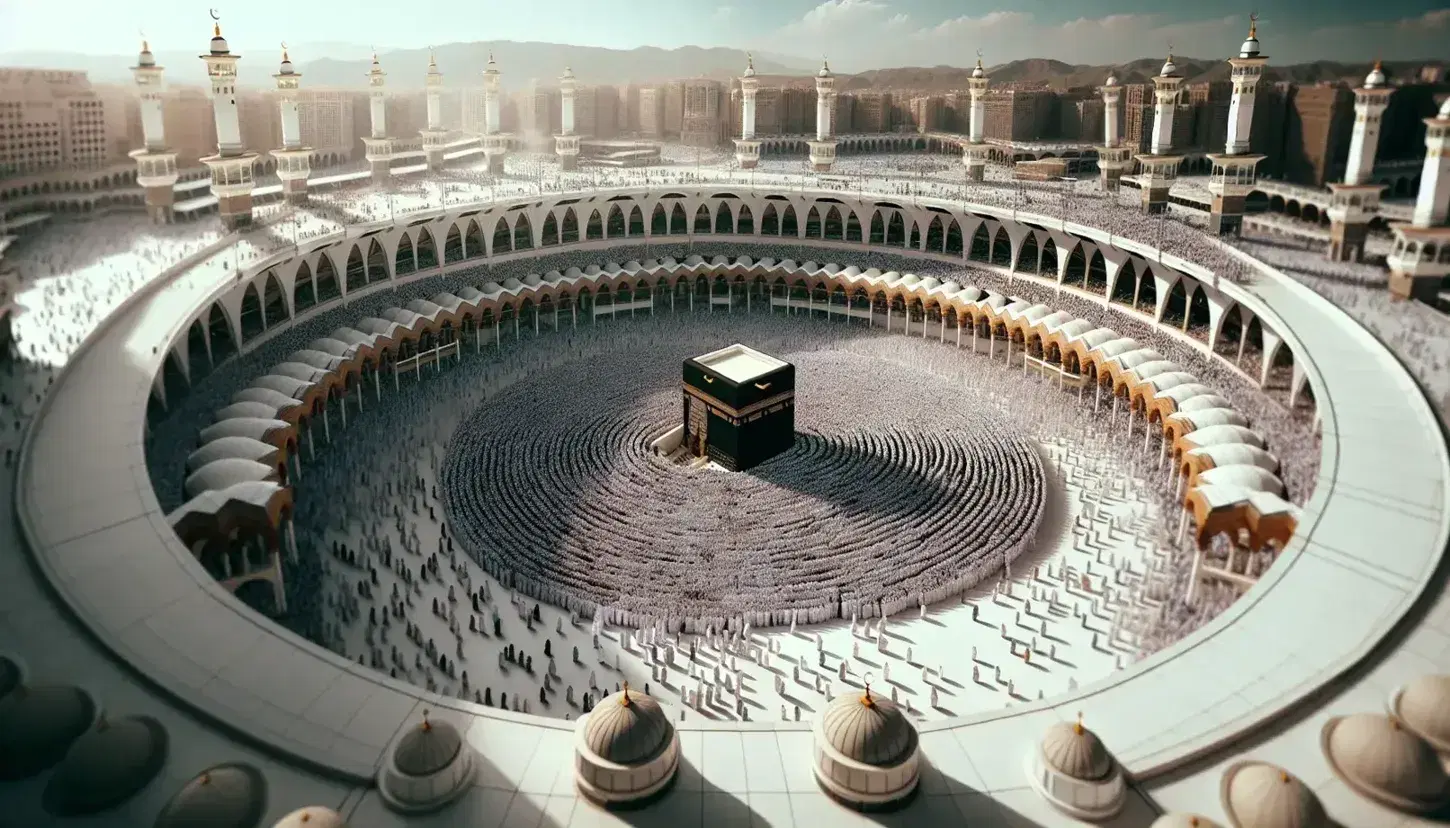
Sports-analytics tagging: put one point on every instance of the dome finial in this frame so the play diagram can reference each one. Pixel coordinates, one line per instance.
(749, 60)
(1253, 25)
(624, 699)
(1284, 777)
(216, 25)
(426, 725)
(866, 700)
(205, 779)
(145, 44)
(1077, 727)
(285, 59)
(1379, 65)
(979, 59)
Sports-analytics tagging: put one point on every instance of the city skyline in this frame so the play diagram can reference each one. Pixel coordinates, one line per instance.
(857, 35)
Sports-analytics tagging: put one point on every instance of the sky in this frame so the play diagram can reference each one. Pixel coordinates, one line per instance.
(855, 34)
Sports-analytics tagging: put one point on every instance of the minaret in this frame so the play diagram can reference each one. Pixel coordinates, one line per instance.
(155, 164)
(1160, 166)
(974, 151)
(566, 143)
(435, 137)
(378, 147)
(495, 143)
(232, 166)
(1355, 202)
(823, 149)
(294, 161)
(1233, 171)
(1114, 159)
(1420, 260)
(747, 149)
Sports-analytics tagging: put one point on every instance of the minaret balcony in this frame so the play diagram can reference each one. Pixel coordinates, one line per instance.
(1115, 158)
(747, 153)
(1233, 175)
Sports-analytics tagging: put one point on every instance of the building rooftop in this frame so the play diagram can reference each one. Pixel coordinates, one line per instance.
(740, 363)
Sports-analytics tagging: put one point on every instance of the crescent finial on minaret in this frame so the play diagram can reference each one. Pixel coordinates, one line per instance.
(1253, 24)
(285, 59)
(216, 26)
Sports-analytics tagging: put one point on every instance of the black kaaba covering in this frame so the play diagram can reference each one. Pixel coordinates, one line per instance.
(739, 423)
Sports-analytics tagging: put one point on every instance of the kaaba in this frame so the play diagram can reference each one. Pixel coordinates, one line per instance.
(739, 406)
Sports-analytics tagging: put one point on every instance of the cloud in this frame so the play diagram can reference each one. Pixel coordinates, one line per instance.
(1434, 19)
(723, 13)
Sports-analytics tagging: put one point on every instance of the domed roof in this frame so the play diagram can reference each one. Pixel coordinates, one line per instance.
(749, 65)
(868, 728)
(427, 748)
(218, 43)
(1444, 109)
(1169, 68)
(9, 676)
(568, 74)
(1260, 795)
(825, 69)
(37, 726)
(1112, 80)
(490, 68)
(1181, 820)
(1423, 705)
(106, 766)
(1250, 47)
(1376, 77)
(1384, 760)
(1074, 750)
(145, 59)
(313, 816)
(979, 71)
(226, 796)
(627, 728)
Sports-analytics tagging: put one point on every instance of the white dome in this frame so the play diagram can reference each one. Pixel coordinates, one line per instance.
(1385, 761)
(825, 70)
(1111, 81)
(749, 66)
(1376, 77)
(146, 59)
(978, 71)
(218, 43)
(1074, 750)
(1444, 109)
(106, 766)
(627, 728)
(427, 768)
(231, 794)
(286, 67)
(568, 74)
(1169, 68)
(427, 749)
(1181, 820)
(1260, 795)
(313, 816)
(1423, 705)
(1250, 47)
(869, 729)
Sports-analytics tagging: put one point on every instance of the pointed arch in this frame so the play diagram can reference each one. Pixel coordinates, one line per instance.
(702, 219)
(198, 352)
(1027, 256)
(788, 225)
(1176, 308)
(304, 292)
(679, 222)
(636, 221)
(878, 228)
(1048, 266)
(354, 273)
(832, 228)
(377, 261)
(954, 238)
(550, 232)
(1230, 331)
(936, 237)
(403, 261)
(523, 233)
(1076, 273)
(1001, 248)
(1147, 292)
(274, 302)
(813, 223)
(251, 314)
(915, 241)
(853, 227)
(223, 343)
(427, 249)
(503, 238)
(1097, 273)
(473, 244)
(452, 247)
(896, 231)
(769, 222)
(745, 222)
(659, 223)
(614, 225)
(326, 280)
(570, 231)
(724, 222)
(1199, 318)
(1126, 285)
(594, 228)
(981, 245)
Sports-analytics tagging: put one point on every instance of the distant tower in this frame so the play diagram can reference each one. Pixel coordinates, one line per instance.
(155, 164)
(378, 147)
(495, 143)
(823, 149)
(435, 137)
(294, 161)
(1420, 260)
(747, 149)
(232, 166)
(1160, 166)
(974, 151)
(1114, 159)
(566, 143)
(1233, 172)
(1355, 202)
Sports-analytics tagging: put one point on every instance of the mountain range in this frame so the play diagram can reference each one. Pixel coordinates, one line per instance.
(522, 63)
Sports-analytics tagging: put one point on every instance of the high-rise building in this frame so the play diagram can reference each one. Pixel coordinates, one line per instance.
(606, 111)
(1210, 104)
(927, 112)
(799, 108)
(652, 112)
(872, 111)
(628, 115)
(1316, 138)
(674, 111)
(52, 119)
(1018, 114)
(586, 112)
(700, 124)
(474, 110)
(326, 120)
(767, 111)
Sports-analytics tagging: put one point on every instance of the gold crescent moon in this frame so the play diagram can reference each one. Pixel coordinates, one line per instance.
(214, 15)
(284, 45)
